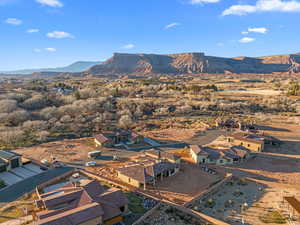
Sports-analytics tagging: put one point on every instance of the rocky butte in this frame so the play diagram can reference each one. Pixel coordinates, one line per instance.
(193, 63)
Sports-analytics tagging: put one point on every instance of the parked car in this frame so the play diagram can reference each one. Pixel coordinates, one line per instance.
(45, 162)
(92, 163)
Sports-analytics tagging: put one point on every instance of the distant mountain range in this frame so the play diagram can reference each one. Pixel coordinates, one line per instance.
(73, 68)
(185, 63)
(194, 63)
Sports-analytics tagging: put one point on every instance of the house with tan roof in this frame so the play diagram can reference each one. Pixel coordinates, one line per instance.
(152, 166)
(207, 155)
(85, 202)
(9, 160)
(250, 141)
(122, 136)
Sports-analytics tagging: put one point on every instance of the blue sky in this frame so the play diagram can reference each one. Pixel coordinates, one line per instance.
(49, 33)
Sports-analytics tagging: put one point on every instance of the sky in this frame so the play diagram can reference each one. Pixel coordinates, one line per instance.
(52, 33)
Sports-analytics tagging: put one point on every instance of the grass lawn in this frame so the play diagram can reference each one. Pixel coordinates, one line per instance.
(136, 207)
(273, 217)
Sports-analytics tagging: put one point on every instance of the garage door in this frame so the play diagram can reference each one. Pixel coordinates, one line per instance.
(2, 168)
(14, 163)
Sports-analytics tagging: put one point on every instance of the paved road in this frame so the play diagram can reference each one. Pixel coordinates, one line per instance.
(15, 191)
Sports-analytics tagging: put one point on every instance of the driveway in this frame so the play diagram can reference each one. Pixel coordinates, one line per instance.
(15, 191)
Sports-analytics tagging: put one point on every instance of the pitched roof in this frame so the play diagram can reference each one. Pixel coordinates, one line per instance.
(198, 150)
(144, 174)
(159, 154)
(102, 138)
(248, 137)
(215, 154)
(136, 172)
(76, 203)
(74, 216)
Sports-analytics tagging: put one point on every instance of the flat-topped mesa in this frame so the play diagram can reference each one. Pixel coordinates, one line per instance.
(194, 63)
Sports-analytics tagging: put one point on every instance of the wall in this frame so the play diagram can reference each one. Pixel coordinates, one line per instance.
(94, 221)
(209, 191)
(247, 144)
(126, 180)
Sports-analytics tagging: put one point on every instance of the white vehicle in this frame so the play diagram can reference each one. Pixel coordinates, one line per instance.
(76, 175)
(92, 163)
(45, 162)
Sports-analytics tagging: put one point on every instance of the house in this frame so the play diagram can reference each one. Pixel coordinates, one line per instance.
(163, 155)
(84, 202)
(252, 142)
(206, 155)
(9, 160)
(123, 136)
(147, 169)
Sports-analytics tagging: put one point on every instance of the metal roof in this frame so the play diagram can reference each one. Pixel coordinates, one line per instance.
(8, 155)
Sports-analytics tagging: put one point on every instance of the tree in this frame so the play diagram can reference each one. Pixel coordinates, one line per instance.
(8, 106)
(125, 121)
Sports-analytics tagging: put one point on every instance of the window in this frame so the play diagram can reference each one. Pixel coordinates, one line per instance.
(221, 161)
(129, 180)
(248, 145)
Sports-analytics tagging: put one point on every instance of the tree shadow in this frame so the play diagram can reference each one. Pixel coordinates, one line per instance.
(269, 128)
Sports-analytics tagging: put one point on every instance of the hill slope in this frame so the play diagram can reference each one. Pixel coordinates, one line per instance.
(188, 63)
(73, 68)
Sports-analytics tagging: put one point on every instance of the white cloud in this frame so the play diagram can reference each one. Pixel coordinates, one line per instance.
(172, 25)
(33, 31)
(129, 46)
(195, 2)
(50, 49)
(261, 30)
(264, 6)
(13, 21)
(37, 50)
(59, 35)
(244, 32)
(220, 44)
(51, 3)
(246, 40)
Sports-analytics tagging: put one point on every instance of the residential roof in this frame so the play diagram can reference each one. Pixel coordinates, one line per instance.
(159, 154)
(137, 172)
(294, 203)
(8, 155)
(102, 138)
(215, 154)
(145, 174)
(248, 137)
(78, 202)
(198, 150)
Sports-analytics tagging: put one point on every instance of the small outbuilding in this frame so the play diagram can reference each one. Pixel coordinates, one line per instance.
(9, 160)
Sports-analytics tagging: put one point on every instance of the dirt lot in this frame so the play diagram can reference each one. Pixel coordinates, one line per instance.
(73, 151)
(167, 215)
(251, 201)
(172, 134)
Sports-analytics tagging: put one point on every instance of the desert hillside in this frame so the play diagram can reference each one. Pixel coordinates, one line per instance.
(188, 63)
